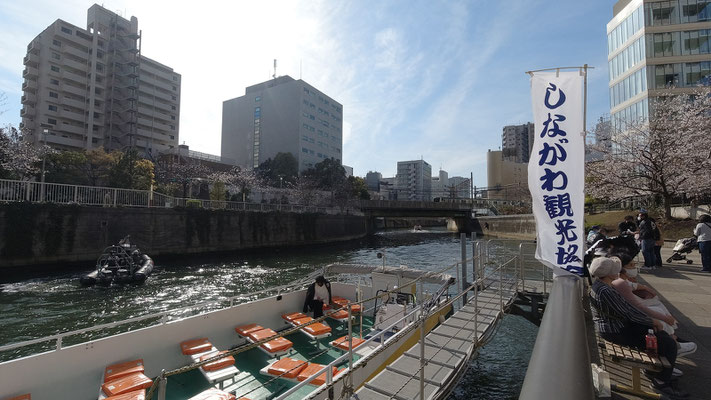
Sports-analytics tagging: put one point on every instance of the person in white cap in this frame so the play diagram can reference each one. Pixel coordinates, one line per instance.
(620, 322)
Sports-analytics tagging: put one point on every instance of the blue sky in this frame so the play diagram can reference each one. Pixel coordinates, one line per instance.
(430, 79)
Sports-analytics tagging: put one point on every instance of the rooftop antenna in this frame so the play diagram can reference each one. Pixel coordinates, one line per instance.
(274, 76)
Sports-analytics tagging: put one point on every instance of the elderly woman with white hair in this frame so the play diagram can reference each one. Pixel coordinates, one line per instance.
(620, 322)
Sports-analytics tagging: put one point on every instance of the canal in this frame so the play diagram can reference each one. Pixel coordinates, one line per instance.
(33, 307)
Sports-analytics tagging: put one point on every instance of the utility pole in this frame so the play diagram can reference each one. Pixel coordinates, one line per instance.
(44, 158)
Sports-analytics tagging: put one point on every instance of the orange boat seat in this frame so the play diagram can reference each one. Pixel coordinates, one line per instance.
(342, 342)
(340, 314)
(277, 345)
(217, 364)
(22, 397)
(302, 320)
(292, 316)
(213, 394)
(195, 346)
(125, 384)
(135, 395)
(287, 368)
(122, 369)
(312, 369)
(261, 334)
(246, 329)
(317, 329)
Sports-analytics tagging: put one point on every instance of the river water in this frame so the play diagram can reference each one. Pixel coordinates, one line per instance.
(33, 307)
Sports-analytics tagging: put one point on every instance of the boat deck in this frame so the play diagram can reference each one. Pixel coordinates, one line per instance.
(250, 383)
(446, 348)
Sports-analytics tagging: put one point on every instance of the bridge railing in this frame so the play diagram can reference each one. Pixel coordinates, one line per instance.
(59, 193)
(427, 205)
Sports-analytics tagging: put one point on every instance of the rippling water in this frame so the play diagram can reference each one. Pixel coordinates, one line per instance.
(38, 307)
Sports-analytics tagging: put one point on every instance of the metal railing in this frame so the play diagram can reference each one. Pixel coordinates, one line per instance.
(59, 193)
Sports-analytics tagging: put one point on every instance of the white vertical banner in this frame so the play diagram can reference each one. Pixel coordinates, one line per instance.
(556, 170)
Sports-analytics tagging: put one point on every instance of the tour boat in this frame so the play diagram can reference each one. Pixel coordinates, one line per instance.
(123, 263)
(275, 351)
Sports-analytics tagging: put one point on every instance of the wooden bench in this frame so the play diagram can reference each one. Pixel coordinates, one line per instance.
(636, 360)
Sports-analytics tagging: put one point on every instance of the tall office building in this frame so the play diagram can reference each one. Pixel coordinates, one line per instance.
(439, 184)
(413, 180)
(372, 180)
(517, 142)
(655, 47)
(282, 115)
(92, 87)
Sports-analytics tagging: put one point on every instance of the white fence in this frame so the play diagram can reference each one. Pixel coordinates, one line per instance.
(37, 192)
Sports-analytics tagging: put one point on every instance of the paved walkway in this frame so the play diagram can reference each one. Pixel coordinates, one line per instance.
(687, 294)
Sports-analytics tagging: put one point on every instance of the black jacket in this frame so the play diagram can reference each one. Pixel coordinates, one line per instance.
(311, 292)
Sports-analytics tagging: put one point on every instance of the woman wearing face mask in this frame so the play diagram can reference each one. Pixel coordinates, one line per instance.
(646, 300)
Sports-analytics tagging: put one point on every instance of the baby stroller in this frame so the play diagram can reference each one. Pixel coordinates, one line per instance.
(683, 247)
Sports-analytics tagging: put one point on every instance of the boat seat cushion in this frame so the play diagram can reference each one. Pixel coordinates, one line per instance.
(135, 395)
(317, 329)
(340, 314)
(302, 320)
(125, 384)
(261, 334)
(277, 345)
(245, 329)
(213, 394)
(118, 370)
(292, 316)
(195, 346)
(342, 342)
(312, 369)
(217, 364)
(289, 367)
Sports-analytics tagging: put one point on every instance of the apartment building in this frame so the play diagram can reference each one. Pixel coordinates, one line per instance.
(91, 87)
(413, 180)
(655, 47)
(282, 115)
(517, 142)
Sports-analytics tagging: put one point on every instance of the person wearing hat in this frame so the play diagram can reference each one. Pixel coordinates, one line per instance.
(318, 294)
(620, 322)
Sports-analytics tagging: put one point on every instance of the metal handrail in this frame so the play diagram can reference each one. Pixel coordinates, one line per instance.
(61, 193)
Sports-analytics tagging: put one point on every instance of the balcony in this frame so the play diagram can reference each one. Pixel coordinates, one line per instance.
(74, 90)
(76, 64)
(29, 86)
(73, 103)
(65, 140)
(75, 52)
(27, 111)
(81, 80)
(30, 72)
(29, 98)
(63, 127)
(73, 115)
(31, 59)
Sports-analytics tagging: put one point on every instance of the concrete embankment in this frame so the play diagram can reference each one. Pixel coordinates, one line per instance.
(507, 226)
(36, 234)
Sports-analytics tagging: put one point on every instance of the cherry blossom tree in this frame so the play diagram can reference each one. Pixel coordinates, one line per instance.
(19, 159)
(665, 157)
(238, 180)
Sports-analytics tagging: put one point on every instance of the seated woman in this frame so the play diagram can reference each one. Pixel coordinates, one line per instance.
(647, 301)
(620, 322)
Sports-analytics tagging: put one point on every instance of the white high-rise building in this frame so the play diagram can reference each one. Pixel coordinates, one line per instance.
(89, 88)
(413, 180)
(282, 115)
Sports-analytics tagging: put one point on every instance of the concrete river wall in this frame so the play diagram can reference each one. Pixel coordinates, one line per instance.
(507, 226)
(36, 234)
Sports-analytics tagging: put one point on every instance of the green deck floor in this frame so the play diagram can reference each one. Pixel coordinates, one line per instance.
(251, 383)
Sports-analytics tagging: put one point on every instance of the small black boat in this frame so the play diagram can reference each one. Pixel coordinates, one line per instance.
(123, 263)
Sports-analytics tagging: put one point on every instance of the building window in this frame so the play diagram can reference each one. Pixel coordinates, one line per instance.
(66, 30)
(172, 107)
(258, 98)
(52, 121)
(172, 117)
(56, 43)
(52, 108)
(175, 88)
(174, 98)
(172, 127)
(54, 95)
(54, 68)
(54, 82)
(305, 150)
(175, 78)
(55, 56)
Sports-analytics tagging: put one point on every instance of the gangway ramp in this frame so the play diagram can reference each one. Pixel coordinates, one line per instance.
(447, 348)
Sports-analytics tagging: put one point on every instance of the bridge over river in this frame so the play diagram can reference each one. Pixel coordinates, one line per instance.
(459, 214)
